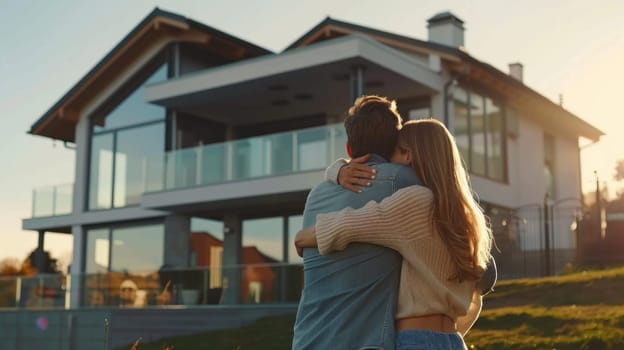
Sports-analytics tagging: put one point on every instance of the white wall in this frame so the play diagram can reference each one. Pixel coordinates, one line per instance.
(567, 168)
(531, 184)
(567, 188)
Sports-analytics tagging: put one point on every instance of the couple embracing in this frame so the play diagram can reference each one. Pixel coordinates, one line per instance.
(396, 251)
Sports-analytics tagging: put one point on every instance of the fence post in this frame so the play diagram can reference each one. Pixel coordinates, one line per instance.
(546, 236)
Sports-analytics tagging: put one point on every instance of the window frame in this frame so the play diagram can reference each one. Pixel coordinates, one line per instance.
(110, 227)
(470, 89)
(164, 57)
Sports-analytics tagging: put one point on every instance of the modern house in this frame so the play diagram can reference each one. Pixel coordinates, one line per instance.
(183, 128)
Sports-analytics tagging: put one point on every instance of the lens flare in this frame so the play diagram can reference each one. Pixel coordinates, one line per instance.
(41, 323)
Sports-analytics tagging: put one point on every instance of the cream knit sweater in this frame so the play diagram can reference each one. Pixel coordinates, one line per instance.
(403, 222)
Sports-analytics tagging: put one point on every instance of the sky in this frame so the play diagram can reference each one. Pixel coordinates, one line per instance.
(568, 47)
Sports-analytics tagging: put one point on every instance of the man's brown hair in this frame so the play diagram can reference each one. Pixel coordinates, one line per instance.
(372, 126)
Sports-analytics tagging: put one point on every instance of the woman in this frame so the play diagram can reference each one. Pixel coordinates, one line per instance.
(440, 231)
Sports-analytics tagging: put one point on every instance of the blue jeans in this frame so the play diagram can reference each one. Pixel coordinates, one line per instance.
(427, 340)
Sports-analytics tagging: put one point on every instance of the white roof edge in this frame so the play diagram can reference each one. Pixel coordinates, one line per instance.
(350, 46)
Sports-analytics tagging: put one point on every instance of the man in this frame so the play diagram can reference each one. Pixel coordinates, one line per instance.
(349, 298)
(127, 293)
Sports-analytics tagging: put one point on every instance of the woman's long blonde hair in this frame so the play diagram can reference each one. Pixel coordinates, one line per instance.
(456, 215)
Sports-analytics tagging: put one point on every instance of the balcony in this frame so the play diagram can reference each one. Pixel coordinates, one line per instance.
(262, 157)
(52, 200)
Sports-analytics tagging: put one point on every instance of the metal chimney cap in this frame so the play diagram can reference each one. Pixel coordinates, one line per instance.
(444, 17)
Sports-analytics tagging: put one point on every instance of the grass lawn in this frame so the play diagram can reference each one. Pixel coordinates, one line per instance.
(583, 310)
(580, 311)
(274, 333)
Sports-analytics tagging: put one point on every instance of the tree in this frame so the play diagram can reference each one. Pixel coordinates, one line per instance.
(619, 176)
(49, 264)
(10, 267)
(619, 170)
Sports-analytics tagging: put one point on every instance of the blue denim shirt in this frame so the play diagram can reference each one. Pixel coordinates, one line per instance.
(349, 297)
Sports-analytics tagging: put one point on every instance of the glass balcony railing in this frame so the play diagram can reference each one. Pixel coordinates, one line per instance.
(52, 200)
(267, 155)
(277, 283)
(244, 159)
(42, 291)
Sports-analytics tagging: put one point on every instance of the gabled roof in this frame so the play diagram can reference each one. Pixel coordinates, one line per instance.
(59, 121)
(463, 65)
(330, 27)
(524, 98)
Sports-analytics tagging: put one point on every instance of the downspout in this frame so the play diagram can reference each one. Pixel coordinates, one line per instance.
(447, 85)
(69, 145)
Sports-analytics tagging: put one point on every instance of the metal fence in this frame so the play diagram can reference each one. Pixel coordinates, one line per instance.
(534, 241)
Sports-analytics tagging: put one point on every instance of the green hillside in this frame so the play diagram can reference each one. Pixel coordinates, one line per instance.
(582, 310)
(579, 311)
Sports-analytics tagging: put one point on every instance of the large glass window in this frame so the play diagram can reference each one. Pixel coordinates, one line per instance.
(265, 276)
(211, 227)
(494, 125)
(98, 251)
(262, 244)
(134, 110)
(127, 150)
(122, 265)
(101, 184)
(462, 127)
(207, 248)
(136, 162)
(266, 236)
(137, 249)
(479, 129)
(263, 239)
